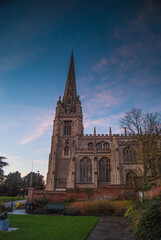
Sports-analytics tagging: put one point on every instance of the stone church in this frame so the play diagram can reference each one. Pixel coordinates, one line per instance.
(85, 161)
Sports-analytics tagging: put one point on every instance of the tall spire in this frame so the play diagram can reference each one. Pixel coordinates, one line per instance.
(70, 88)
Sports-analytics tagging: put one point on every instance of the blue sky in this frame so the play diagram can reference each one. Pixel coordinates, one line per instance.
(117, 54)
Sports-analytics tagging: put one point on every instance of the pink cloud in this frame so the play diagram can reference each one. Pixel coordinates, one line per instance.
(39, 130)
(100, 65)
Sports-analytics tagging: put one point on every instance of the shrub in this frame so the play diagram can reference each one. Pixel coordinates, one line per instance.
(148, 226)
(101, 207)
(40, 202)
(70, 211)
(3, 208)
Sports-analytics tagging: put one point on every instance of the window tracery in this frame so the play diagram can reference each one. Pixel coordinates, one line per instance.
(85, 170)
(106, 145)
(129, 155)
(67, 128)
(90, 146)
(104, 170)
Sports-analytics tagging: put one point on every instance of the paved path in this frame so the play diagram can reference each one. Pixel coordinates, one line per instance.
(111, 228)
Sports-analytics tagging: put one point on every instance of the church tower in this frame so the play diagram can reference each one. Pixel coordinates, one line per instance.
(67, 128)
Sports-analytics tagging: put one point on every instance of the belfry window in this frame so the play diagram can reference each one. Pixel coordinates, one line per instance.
(129, 155)
(66, 151)
(67, 128)
(85, 170)
(104, 170)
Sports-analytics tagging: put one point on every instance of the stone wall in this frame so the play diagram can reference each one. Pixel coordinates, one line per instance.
(84, 194)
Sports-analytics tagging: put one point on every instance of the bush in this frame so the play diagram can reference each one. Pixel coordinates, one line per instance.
(40, 202)
(101, 207)
(148, 226)
(70, 211)
(3, 208)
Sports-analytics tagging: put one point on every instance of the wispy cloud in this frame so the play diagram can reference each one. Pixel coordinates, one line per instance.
(13, 61)
(38, 131)
(100, 65)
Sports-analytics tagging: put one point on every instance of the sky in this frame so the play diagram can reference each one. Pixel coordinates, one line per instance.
(117, 56)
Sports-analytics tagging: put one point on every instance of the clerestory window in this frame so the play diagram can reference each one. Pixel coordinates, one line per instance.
(129, 155)
(90, 146)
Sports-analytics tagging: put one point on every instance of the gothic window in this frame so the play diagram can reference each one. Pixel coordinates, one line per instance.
(66, 151)
(90, 146)
(99, 146)
(85, 170)
(106, 145)
(104, 170)
(67, 128)
(129, 155)
(130, 178)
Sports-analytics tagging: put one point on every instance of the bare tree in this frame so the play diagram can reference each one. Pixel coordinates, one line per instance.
(147, 130)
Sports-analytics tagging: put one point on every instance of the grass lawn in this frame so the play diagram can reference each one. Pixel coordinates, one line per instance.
(5, 199)
(45, 227)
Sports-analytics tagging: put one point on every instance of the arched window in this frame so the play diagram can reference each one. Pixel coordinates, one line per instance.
(66, 151)
(129, 155)
(67, 128)
(104, 170)
(85, 170)
(90, 146)
(106, 145)
(99, 146)
(130, 178)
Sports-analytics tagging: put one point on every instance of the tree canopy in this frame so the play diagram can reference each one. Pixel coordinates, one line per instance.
(147, 130)
(2, 165)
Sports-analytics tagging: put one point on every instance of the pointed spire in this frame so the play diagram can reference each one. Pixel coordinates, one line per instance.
(70, 88)
(94, 131)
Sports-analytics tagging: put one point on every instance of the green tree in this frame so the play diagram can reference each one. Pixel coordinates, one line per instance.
(34, 180)
(2, 165)
(147, 130)
(12, 184)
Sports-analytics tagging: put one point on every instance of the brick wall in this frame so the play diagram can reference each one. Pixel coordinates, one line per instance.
(154, 191)
(83, 194)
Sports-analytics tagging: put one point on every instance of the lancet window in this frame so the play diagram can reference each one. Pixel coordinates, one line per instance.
(104, 170)
(66, 151)
(85, 170)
